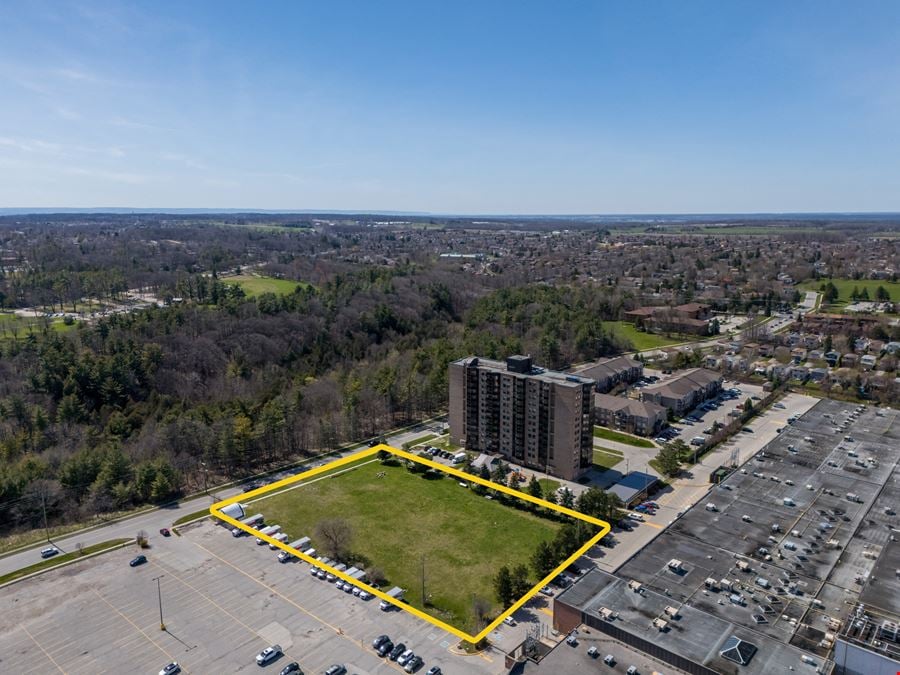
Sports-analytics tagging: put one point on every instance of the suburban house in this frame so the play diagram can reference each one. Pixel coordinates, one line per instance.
(642, 418)
(611, 372)
(685, 391)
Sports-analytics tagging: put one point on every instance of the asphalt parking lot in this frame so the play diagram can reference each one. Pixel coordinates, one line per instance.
(224, 599)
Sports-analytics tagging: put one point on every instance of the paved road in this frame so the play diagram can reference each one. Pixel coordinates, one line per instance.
(153, 521)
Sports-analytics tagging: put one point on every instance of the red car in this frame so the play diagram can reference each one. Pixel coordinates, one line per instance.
(165, 532)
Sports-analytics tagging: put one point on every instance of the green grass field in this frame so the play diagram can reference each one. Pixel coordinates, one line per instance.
(604, 458)
(254, 285)
(13, 325)
(845, 288)
(401, 519)
(548, 485)
(610, 435)
(640, 340)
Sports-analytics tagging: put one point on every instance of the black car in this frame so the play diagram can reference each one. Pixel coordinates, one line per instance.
(380, 640)
(397, 651)
(140, 560)
(292, 668)
(385, 648)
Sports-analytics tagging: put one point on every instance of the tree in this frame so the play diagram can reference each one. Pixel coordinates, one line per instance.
(334, 536)
(141, 539)
(520, 583)
(882, 295)
(567, 498)
(543, 560)
(503, 587)
(514, 481)
(669, 460)
(748, 405)
(534, 488)
(480, 610)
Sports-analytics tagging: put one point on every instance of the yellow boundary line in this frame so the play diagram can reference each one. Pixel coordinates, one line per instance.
(215, 510)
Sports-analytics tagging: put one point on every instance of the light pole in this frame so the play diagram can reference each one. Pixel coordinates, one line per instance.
(162, 626)
(205, 477)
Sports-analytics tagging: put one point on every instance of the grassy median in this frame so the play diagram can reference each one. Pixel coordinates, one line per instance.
(62, 558)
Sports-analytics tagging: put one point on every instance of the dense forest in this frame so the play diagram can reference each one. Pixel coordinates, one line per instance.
(133, 407)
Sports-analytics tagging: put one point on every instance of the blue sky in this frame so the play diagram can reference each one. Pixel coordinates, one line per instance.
(452, 107)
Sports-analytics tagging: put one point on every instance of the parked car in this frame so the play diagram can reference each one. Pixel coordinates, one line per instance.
(165, 532)
(385, 648)
(380, 640)
(413, 664)
(336, 669)
(572, 641)
(405, 657)
(293, 668)
(140, 560)
(546, 590)
(171, 669)
(398, 649)
(49, 552)
(268, 655)
(509, 621)
(434, 670)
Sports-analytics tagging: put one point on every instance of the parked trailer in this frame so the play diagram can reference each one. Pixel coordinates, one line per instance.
(271, 530)
(282, 537)
(397, 593)
(235, 511)
(252, 521)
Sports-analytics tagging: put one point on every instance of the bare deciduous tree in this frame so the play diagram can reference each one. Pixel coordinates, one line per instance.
(334, 536)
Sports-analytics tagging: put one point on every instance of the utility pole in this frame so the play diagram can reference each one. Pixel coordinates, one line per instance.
(424, 599)
(162, 626)
(205, 477)
(44, 509)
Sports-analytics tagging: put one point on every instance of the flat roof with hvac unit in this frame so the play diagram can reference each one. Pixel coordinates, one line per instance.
(634, 487)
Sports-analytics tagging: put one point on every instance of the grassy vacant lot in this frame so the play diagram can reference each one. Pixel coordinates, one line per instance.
(619, 437)
(11, 324)
(641, 341)
(254, 285)
(402, 518)
(845, 288)
(62, 558)
(604, 458)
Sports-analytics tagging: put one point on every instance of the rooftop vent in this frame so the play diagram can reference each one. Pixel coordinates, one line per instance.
(737, 650)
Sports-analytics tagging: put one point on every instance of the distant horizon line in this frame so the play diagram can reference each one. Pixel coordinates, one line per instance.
(67, 210)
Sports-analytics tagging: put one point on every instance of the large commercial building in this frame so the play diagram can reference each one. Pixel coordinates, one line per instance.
(533, 417)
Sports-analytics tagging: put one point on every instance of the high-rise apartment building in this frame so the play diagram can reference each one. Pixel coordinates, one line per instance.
(533, 417)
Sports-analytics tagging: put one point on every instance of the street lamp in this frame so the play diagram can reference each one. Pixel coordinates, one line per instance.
(205, 477)
(162, 626)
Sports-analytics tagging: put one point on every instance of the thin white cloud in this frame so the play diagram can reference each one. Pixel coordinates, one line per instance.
(127, 123)
(114, 176)
(189, 162)
(67, 113)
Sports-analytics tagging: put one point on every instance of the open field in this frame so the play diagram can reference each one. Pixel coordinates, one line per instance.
(254, 285)
(394, 519)
(845, 288)
(12, 325)
(604, 458)
(640, 340)
(619, 437)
